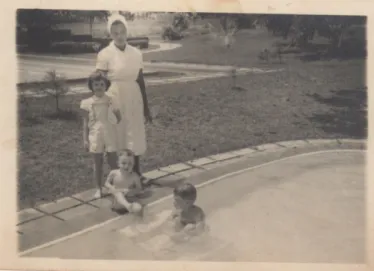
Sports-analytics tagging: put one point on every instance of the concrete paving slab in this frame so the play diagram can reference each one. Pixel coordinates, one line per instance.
(85, 196)
(170, 180)
(35, 238)
(176, 167)
(245, 151)
(269, 147)
(155, 174)
(353, 143)
(28, 214)
(323, 142)
(223, 156)
(293, 144)
(102, 202)
(59, 205)
(81, 210)
(224, 163)
(40, 224)
(190, 173)
(201, 161)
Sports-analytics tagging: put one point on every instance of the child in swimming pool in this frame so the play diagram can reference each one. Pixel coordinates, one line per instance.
(188, 219)
(124, 184)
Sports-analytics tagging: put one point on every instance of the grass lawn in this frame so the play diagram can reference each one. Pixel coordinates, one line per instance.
(306, 100)
(209, 49)
(202, 118)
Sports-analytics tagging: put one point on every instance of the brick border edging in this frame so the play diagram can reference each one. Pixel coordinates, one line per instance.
(199, 164)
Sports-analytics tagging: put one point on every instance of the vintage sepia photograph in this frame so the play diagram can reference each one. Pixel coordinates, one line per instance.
(191, 136)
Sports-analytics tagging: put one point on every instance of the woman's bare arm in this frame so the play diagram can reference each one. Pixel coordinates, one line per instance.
(141, 83)
(118, 115)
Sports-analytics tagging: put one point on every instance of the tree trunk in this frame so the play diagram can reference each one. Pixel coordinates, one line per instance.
(335, 42)
(91, 25)
(57, 104)
(340, 39)
(302, 40)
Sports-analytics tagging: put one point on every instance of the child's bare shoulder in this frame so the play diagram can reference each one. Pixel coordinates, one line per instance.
(198, 213)
(114, 172)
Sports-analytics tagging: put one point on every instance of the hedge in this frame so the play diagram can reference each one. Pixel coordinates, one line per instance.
(77, 47)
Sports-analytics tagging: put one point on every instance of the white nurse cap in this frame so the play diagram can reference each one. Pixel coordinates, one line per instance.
(116, 17)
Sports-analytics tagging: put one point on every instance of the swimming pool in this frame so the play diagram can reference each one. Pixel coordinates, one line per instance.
(306, 208)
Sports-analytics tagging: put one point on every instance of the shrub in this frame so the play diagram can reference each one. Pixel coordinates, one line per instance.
(82, 38)
(55, 86)
(65, 114)
(171, 34)
(354, 41)
(86, 45)
(38, 39)
(197, 30)
(61, 35)
(181, 21)
(72, 47)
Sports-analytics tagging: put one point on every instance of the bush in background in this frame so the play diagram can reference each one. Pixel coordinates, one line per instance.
(170, 33)
(55, 86)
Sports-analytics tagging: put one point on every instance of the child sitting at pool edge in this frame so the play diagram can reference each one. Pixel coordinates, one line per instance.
(188, 218)
(125, 185)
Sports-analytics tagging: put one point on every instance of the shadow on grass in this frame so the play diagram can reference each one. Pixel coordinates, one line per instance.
(30, 120)
(63, 115)
(27, 119)
(318, 52)
(348, 115)
(292, 50)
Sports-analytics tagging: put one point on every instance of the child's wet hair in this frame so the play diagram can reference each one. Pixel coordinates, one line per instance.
(186, 191)
(98, 76)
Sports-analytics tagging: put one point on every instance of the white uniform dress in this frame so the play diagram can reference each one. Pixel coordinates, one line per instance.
(102, 130)
(123, 69)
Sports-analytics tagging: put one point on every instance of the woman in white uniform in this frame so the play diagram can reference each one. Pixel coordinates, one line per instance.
(123, 65)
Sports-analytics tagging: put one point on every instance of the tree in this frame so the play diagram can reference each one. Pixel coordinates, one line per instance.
(303, 27)
(37, 25)
(181, 21)
(48, 19)
(334, 27)
(87, 15)
(55, 86)
(38, 17)
(129, 16)
(95, 14)
(280, 24)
